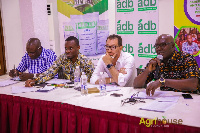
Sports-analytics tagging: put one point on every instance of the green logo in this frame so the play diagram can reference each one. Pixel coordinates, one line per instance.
(147, 5)
(126, 28)
(102, 27)
(69, 28)
(125, 6)
(128, 48)
(147, 52)
(146, 28)
(84, 25)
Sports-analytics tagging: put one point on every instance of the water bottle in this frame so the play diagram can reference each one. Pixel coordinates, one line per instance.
(102, 84)
(84, 90)
(77, 83)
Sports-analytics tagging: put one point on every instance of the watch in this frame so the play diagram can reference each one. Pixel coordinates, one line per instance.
(109, 66)
(162, 81)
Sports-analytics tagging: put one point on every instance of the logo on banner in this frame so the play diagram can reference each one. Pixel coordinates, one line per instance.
(83, 25)
(147, 5)
(125, 6)
(124, 28)
(146, 28)
(128, 48)
(148, 51)
(68, 28)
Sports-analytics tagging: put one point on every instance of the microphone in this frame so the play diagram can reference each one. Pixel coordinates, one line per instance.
(157, 66)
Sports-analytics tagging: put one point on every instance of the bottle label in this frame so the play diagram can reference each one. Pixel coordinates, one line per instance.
(103, 87)
(77, 79)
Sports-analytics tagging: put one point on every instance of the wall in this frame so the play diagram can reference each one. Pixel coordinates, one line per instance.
(13, 31)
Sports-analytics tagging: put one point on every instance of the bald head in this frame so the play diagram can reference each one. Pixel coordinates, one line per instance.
(33, 48)
(165, 46)
(165, 38)
(34, 41)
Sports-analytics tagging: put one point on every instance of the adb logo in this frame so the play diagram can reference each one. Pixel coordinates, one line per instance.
(147, 5)
(147, 52)
(124, 28)
(146, 28)
(125, 6)
(128, 48)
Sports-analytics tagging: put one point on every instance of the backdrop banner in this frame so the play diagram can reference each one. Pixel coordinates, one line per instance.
(88, 21)
(137, 23)
(187, 26)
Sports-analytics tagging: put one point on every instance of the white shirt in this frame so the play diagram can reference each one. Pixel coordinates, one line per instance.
(125, 60)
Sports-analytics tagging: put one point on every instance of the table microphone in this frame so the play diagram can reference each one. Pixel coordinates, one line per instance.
(157, 66)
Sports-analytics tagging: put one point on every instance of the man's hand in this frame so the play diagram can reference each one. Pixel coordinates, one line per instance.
(26, 76)
(152, 87)
(14, 73)
(153, 63)
(29, 83)
(107, 59)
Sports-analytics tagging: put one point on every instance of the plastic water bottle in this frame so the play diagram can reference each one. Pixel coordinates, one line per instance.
(102, 84)
(84, 90)
(77, 83)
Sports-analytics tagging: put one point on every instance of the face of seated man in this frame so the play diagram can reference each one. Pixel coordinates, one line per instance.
(34, 50)
(71, 50)
(112, 48)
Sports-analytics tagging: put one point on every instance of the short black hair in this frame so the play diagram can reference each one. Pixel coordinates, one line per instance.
(70, 38)
(113, 36)
(34, 41)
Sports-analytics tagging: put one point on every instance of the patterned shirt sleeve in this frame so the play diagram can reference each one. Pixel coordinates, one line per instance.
(88, 67)
(51, 72)
(22, 65)
(191, 67)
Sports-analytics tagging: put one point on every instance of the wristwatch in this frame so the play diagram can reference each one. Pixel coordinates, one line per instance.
(162, 81)
(109, 66)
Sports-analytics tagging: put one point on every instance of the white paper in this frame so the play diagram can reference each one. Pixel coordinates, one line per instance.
(112, 88)
(57, 81)
(47, 88)
(7, 82)
(143, 95)
(168, 99)
(18, 89)
(158, 106)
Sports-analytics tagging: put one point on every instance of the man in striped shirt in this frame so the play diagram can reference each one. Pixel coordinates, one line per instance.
(36, 60)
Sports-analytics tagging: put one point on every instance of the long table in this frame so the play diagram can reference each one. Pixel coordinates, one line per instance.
(65, 110)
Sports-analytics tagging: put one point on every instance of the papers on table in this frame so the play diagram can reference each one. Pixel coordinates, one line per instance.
(158, 106)
(16, 78)
(46, 88)
(57, 81)
(17, 89)
(143, 95)
(112, 88)
(109, 87)
(7, 82)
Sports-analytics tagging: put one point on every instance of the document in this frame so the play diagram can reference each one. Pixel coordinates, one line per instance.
(7, 82)
(18, 89)
(46, 88)
(58, 81)
(158, 106)
(143, 95)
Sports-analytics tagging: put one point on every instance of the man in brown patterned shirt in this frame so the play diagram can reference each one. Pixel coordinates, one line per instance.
(67, 62)
(178, 71)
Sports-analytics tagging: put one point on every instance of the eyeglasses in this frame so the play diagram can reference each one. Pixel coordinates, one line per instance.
(161, 45)
(111, 47)
(132, 100)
